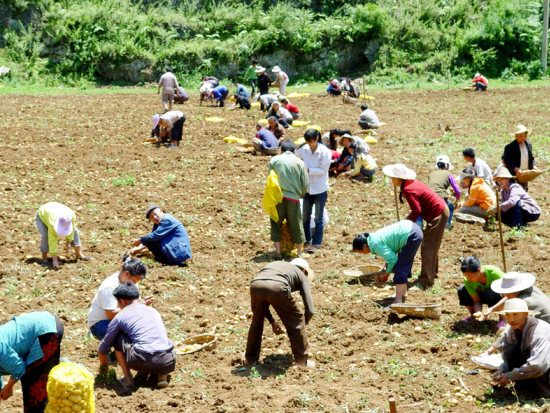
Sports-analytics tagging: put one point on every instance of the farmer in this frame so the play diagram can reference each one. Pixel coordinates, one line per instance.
(273, 287)
(354, 89)
(480, 83)
(518, 154)
(265, 142)
(480, 167)
(281, 81)
(242, 90)
(317, 159)
(264, 81)
(517, 208)
(397, 245)
(204, 91)
(104, 306)
(251, 75)
(139, 337)
(211, 79)
(30, 347)
(525, 349)
(266, 101)
(276, 128)
(181, 95)
(291, 108)
(477, 291)
(241, 102)
(294, 181)
(343, 162)
(368, 118)
(425, 203)
(219, 93)
(363, 166)
(441, 179)
(172, 126)
(334, 88)
(521, 285)
(480, 199)
(168, 82)
(330, 140)
(168, 241)
(283, 116)
(56, 220)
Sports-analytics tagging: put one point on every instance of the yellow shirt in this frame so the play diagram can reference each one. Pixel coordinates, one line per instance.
(363, 160)
(48, 213)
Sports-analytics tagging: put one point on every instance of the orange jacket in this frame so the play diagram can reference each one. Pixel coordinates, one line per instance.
(480, 194)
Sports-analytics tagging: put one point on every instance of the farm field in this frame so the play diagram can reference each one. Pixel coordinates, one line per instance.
(86, 151)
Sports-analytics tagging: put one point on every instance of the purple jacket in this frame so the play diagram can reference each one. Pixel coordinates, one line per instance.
(515, 194)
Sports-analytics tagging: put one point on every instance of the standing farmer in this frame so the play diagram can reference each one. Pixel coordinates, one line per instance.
(282, 80)
(518, 154)
(293, 180)
(251, 75)
(168, 82)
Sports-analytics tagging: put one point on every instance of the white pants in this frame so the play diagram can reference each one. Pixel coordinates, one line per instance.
(282, 86)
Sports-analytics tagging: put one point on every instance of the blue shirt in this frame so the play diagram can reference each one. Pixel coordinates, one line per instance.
(173, 239)
(269, 141)
(242, 91)
(19, 345)
(220, 92)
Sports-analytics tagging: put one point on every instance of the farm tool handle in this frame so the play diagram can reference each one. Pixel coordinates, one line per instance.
(396, 203)
(393, 409)
(500, 231)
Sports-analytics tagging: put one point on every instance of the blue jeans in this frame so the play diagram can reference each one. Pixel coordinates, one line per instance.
(99, 329)
(319, 200)
(451, 207)
(405, 259)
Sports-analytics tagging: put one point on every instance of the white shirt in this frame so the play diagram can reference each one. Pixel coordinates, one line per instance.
(283, 113)
(483, 171)
(371, 118)
(172, 117)
(317, 164)
(524, 165)
(268, 99)
(168, 82)
(104, 300)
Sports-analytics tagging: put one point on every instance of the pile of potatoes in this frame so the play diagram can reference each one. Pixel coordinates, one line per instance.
(287, 246)
(70, 390)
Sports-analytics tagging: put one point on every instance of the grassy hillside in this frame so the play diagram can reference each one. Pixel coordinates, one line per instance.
(121, 39)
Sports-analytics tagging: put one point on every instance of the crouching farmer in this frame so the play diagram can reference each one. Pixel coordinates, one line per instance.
(525, 348)
(139, 337)
(273, 287)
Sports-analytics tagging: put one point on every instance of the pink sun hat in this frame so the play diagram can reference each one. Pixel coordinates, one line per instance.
(63, 225)
(156, 119)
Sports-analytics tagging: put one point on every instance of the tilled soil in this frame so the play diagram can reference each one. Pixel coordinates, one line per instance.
(87, 152)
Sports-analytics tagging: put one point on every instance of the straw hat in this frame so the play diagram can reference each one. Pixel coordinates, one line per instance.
(303, 265)
(63, 225)
(521, 129)
(503, 173)
(276, 69)
(516, 305)
(444, 159)
(513, 282)
(260, 69)
(351, 138)
(398, 171)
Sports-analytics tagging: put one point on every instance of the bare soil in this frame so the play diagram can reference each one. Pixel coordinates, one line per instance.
(87, 152)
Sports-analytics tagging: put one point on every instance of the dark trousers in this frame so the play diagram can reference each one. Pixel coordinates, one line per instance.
(244, 104)
(488, 297)
(365, 125)
(177, 130)
(334, 91)
(35, 379)
(517, 217)
(156, 250)
(265, 293)
(285, 123)
(253, 84)
(159, 362)
(481, 86)
(222, 100)
(405, 259)
(319, 201)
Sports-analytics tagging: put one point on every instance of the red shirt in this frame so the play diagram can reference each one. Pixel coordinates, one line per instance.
(423, 201)
(291, 108)
(481, 79)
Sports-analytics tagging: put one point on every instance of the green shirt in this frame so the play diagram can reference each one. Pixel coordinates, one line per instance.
(292, 174)
(389, 241)
(492, 273)
(250, 73)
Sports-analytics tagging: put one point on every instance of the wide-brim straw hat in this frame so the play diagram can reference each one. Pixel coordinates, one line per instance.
(521, 129)
(276, 69)
(351, 139)
(398, 171)
(503, 173)
(260, 69)
(516, 305)
(303, 264)
(444, 159)
(513, 282)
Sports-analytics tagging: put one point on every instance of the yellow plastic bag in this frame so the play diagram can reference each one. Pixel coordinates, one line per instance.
(297, 95)
(382, 123)
(299, 141)
(234, 139)
(367, 97)
(263, 121)
(70, 390)
(272, 196)
(316, 127)
(255, 104)
(215, 119)
(370, 139)
(300, 123)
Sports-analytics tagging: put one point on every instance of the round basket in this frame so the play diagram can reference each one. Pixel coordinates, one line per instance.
(364, 271)
(194, 344)
(527, 176)
(491, 362)
(468, 219)
(418, 310)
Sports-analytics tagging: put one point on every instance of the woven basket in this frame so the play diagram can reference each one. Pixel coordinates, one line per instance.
(418, 310)
(207, 342)
(364, 271)
(527, 176)
(468, 219)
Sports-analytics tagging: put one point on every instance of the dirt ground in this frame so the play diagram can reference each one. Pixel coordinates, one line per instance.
(86, 152)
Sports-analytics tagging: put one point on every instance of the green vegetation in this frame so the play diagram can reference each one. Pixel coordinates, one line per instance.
(80, 42)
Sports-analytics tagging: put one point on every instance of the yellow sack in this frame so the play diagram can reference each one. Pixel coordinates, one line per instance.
(215, 119)
(367, 97)
(272, 196)
(370, 139)
(288, 247)
(298, 95)
(263, 121)
(70, 389)
(234, 139)
(299, 141)
(300, 123)
(314, 127)
(255, 104)
(382, 123)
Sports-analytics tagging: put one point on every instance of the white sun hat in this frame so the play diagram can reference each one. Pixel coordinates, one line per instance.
(444, 159)
(477, 74)
(513, 282)
(503, 173)
(276, 69)
(303, 264)
(398, 171)
(260, 69)
(516, 305)
(347, 135)
(521, 129)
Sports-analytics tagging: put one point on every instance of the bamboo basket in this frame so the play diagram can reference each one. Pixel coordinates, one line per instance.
(529, 175)
(418, 310)
(364, 271)
(197, 343)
